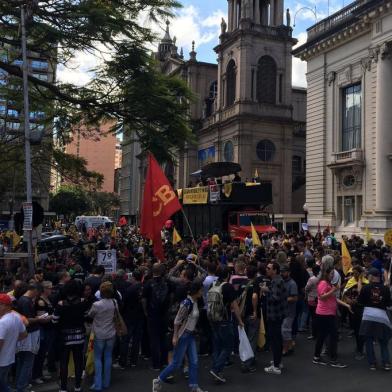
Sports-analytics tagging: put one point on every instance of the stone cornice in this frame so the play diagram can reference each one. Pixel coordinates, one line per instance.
(343, 33)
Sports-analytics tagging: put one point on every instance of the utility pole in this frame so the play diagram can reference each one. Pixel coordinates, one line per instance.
(26, 118)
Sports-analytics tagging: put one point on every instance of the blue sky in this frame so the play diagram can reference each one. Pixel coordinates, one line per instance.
(199, 20)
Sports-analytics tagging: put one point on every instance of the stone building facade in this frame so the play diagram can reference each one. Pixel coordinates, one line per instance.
(349, 119)
(247, 110)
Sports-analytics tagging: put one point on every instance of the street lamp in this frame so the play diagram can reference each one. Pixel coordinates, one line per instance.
(306, 211)
(313, 10)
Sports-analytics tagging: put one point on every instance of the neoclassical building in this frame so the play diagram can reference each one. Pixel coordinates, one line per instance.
(247, 110)
(349, 119)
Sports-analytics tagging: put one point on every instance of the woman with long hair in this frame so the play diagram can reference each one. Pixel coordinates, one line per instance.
(326, 318)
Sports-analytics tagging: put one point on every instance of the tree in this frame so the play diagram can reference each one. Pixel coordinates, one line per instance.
(103, 203)
(70, 201)
(126, 86)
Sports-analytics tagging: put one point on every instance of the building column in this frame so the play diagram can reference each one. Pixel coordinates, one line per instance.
(235, 15)
(230, 16)
(272, 13)
(279, 12)
(257, 12)
(383, 130)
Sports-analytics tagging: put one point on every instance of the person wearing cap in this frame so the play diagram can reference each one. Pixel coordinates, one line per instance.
(12, 330)
(375, 325)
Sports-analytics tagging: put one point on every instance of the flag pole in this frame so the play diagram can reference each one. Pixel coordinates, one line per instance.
(187, 222)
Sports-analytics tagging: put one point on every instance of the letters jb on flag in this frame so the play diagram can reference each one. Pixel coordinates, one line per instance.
(159, 204)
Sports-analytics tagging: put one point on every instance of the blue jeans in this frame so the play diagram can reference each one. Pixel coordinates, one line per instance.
(4, 370)
(24, 369)
(186, 345)
(103, 349)
(371, 357)
(223, 343)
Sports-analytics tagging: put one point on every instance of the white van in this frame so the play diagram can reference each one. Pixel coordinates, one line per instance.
(92, 222)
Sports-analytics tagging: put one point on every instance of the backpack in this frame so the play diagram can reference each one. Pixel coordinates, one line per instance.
(159, 295)
(216, 310)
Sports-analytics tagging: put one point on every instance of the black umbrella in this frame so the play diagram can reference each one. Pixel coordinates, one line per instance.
(220, 169)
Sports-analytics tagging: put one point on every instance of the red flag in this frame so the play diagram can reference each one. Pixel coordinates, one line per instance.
(159, 204)
(122, 221)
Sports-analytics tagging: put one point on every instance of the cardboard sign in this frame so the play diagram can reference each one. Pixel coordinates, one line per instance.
(28, 216)
(107, 258)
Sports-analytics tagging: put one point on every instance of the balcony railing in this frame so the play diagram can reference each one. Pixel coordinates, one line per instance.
(352, 155)
(335, 19)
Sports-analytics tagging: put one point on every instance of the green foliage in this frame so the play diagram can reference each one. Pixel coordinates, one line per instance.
(70, 201)
(126, 87)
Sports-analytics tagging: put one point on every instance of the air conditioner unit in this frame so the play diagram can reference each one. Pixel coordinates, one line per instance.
(348, 202)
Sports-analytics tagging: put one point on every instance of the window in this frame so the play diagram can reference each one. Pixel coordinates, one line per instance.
(231, 83)
(266, 80)
(41, 76)
(17, 62)
(12, 113)
(39, 64)
(265, 150)
(37, 115)
(13, 125)
(211, 98)
(297, 163)
(351, 124)
(228, 152)
(349, 209)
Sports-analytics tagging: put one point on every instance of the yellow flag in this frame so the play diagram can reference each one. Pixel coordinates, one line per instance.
(114, 231)
(367, 234)
(256, 174)
(15, 239)
(176, 237)
(255, 236)
(90, 356)
(261, 337)
(346, 258)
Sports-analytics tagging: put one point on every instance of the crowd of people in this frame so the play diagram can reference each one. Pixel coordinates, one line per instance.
(195, 303)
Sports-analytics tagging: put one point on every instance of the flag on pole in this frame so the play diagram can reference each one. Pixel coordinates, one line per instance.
(367, 234)
(176, 237)
(255, 236)
(346, 258)
(159, 204)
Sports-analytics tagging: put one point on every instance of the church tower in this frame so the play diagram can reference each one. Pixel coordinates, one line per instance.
(254, 111)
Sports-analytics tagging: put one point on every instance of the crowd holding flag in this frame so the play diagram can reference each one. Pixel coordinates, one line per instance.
(255, 237)
(346, 258)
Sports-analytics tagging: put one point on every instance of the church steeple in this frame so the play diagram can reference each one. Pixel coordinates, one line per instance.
(260, 12)
(167, 46)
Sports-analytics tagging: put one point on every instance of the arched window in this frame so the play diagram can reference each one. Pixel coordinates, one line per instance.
(266, 80)
(211, 98)
(230, 83)
(265, 150)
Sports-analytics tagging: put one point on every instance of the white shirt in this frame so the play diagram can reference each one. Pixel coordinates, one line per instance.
(11, 326)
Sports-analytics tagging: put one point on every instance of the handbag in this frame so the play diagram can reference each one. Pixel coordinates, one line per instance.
(119, 324)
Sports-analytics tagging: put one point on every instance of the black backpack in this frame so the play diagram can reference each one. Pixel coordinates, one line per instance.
(159, 295)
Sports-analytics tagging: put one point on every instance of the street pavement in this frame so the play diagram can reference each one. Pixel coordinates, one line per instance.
(299, 375)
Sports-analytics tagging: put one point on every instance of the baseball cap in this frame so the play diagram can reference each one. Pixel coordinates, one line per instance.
(5, 299)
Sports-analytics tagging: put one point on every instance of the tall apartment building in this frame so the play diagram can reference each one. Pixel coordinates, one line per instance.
(349, 138)
(101, 153)
(13, 191)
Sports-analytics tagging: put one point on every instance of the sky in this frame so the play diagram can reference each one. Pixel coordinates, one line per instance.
(199, 21)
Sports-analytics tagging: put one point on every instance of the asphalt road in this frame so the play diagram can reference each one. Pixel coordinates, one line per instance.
(299, 375)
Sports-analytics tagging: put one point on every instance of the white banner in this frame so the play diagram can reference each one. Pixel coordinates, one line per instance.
(108, 258)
